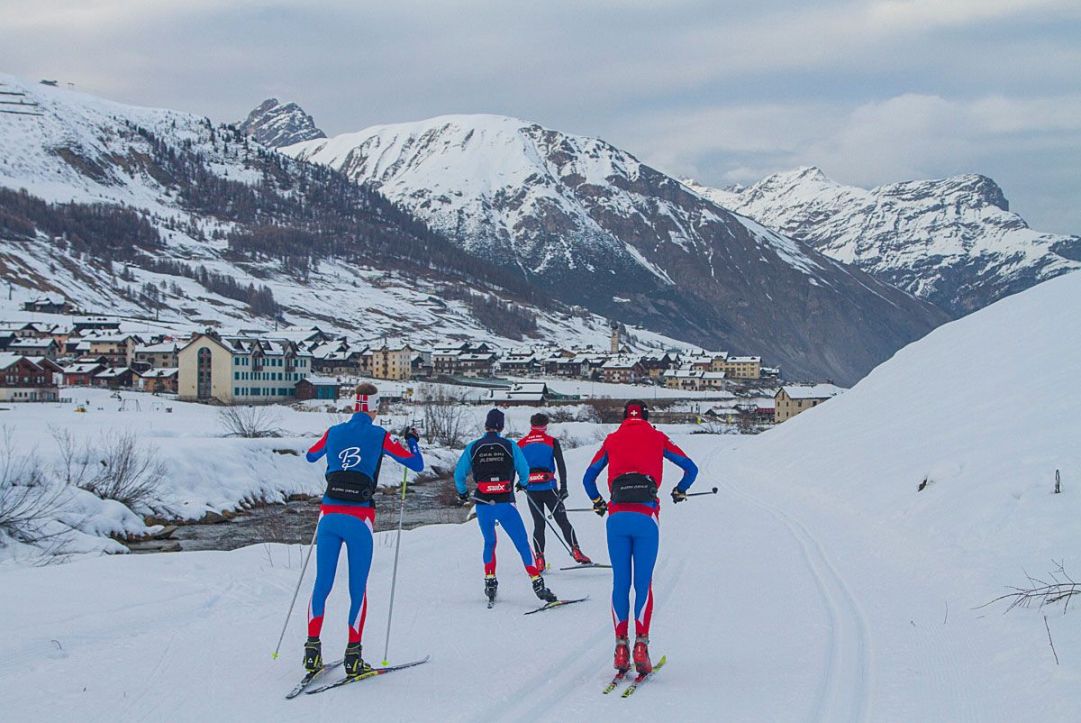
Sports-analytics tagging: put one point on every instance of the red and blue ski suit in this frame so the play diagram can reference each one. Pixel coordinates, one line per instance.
(545, 457)
(355, 448)
(494, 461)
(633, 527)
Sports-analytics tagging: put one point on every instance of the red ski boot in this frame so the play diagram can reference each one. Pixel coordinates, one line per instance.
(580, 557)
(641, 656)
(538, 562)
(622, 660)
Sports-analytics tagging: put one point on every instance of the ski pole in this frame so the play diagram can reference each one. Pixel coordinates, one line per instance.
(553, 528)
(289, 614)
(394, 575)
(574, 509)
(698, 494)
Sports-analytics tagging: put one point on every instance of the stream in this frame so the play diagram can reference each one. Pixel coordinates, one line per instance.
(294, 522)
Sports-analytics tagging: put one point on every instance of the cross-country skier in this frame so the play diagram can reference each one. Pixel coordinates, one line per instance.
(354, 452)
(494, 461)
(634, 455)
(545, 456)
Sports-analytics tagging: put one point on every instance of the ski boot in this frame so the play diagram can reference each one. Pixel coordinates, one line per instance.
(539, 562)
(622, 661)
(490, 587)
(579, 556)
(641, 656)
(313, 655)
(542, 592)
(354, 664)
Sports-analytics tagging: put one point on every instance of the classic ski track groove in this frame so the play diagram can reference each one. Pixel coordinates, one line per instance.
(581, 668)
(844, 690)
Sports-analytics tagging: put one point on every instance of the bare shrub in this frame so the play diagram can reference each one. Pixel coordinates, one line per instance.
(586, 413)
(445, 418)
(1058, 587)
(561, 414)
(607, 411)
(249, 422)
(27, 501)
(127, 471)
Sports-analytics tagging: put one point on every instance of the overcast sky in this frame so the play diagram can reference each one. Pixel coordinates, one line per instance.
(872, 91)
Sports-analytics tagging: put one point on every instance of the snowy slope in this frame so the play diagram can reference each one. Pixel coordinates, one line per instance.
(818, 585)
(611, 233)
(952, 241)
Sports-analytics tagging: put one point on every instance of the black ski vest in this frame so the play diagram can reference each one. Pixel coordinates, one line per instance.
(493, 469)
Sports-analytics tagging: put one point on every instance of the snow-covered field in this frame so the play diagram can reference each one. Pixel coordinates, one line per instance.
(817, 585)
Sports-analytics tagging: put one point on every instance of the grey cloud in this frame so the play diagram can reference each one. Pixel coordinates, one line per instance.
(721, 90)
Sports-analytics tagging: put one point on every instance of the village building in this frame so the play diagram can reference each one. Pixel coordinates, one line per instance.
(656, 365)
(114, 378)
(162, 355)
(119, 349)
(81, 374)
(718, 361)
(158, 381)
(743, 367)
(795, 399)
(83, 324)
(685, 379)
(317, 387)
(339, 357)
(238, 369)
(34, 346)
(622, 370)
(392, 362)
(49, 304)
(24, 379)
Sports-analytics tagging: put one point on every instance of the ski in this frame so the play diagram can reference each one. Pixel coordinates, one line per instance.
(364, 676)
(639, 679)
(586, 566)
(616, 680)
(307, 679)
(556, 604)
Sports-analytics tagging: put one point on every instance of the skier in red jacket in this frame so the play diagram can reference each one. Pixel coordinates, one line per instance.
(634, 455)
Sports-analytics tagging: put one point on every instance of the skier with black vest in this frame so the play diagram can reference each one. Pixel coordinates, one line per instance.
(494, 462)
(634, 455)
(354, 452)
(545, 457)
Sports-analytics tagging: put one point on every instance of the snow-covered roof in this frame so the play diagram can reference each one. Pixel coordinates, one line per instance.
(322, 381)
(6, 360)
(82, 368)
(165, 347)
(812, 391)
(744, 359)
(162, 373)
(110, 373)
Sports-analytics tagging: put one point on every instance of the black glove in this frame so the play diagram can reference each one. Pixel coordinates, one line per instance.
(678, 495)
(411, 435)
(463, 498)
(563, 494)
(600, 506)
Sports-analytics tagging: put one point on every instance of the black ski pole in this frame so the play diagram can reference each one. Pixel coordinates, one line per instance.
(699, 494)
(553, 527)
(574, 509)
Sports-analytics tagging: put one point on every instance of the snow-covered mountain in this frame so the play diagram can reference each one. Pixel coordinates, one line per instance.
(154, 212)
(274, 125)
(952, 241)
(603, 230)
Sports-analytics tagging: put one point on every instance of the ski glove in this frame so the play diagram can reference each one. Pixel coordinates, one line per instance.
(678, 495)
(463, 498)
(411, 435)
(600, 506)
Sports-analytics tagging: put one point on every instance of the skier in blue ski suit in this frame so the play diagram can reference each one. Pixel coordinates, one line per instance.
(494, 461)
(354, 452)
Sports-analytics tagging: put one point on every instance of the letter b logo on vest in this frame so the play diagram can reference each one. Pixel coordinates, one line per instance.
(349, 457)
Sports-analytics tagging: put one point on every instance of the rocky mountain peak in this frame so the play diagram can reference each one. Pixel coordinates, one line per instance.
(275, 125)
